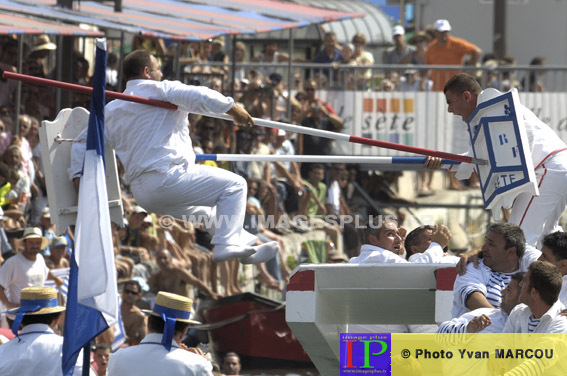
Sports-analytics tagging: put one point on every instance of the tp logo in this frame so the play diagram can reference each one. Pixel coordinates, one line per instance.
(362, 352)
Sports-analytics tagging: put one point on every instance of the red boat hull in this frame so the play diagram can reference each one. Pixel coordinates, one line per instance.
(259, 329)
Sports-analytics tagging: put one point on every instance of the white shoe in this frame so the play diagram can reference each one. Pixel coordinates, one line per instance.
(228, 252)
(264, 252)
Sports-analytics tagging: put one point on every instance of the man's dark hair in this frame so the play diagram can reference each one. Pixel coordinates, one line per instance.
(557, 242)
(315, 166)
(462, 82)
(111, 58)
(414, 237)
(228, 354)
(513, 235)
(546, 279)
(518, 277)
(156, 325)
(46, 319)
(135, 62)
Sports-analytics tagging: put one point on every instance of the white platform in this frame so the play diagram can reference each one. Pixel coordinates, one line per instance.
(324, 299)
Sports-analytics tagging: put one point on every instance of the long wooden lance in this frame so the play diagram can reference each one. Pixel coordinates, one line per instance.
(261, 122)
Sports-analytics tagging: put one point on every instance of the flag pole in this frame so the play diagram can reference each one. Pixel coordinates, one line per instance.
(260, 122)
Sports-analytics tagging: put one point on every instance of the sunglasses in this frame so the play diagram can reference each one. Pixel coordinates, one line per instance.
(131, 292)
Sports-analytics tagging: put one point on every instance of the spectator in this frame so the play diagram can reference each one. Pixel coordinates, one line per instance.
(217, 54)
(420, 40)
(41, 52)
(25, 269)
(174, 279)
(329, 54)
(132, 317)
(316, 114)
(362, 57)
(112, 65)
(56, 258)
(346, 75)
(155, 46)
(47, 228)
(101, 355)
(270, 54)
(401, 50)
(448, 50)
(231, 364)
(240, 73)
(533, 83)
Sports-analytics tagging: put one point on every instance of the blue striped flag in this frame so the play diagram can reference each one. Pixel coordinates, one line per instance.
(92, 304)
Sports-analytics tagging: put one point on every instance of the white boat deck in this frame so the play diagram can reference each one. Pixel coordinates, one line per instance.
(324, 299)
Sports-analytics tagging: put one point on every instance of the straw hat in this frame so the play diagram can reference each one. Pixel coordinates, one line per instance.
(44, 297)
(173, 306)
(35, 233)
(43, 42)
(419, 35)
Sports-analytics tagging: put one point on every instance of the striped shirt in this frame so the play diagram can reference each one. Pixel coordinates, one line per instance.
(533, 323)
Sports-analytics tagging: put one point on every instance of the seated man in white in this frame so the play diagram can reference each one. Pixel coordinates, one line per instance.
(487, 320)
(540, 311)
(385, 245)
(554, 250)
(418, 241)
(504, 253)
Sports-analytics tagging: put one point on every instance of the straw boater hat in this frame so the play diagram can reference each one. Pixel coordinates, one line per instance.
(35, 233)
(35, 301)
(171, 308)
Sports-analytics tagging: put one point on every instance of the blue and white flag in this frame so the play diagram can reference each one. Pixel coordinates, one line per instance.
(92, 304)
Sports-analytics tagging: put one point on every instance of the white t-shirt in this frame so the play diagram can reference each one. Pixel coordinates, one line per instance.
(19, 272)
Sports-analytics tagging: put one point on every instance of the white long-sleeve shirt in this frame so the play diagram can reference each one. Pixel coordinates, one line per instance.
(148, 138)
(370, 254)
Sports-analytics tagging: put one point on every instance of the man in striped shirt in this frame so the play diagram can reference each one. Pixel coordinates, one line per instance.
(487, 320)
(504, 253)
(541, 308)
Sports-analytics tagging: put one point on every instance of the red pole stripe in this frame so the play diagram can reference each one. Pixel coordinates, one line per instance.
(171, 106)
(87, 90)
(411, 149)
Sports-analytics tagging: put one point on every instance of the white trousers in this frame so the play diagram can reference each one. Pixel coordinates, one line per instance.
(539, 215)
(198, 193)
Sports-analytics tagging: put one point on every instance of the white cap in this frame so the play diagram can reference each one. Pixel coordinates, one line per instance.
(398, 30)
(442, 25)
